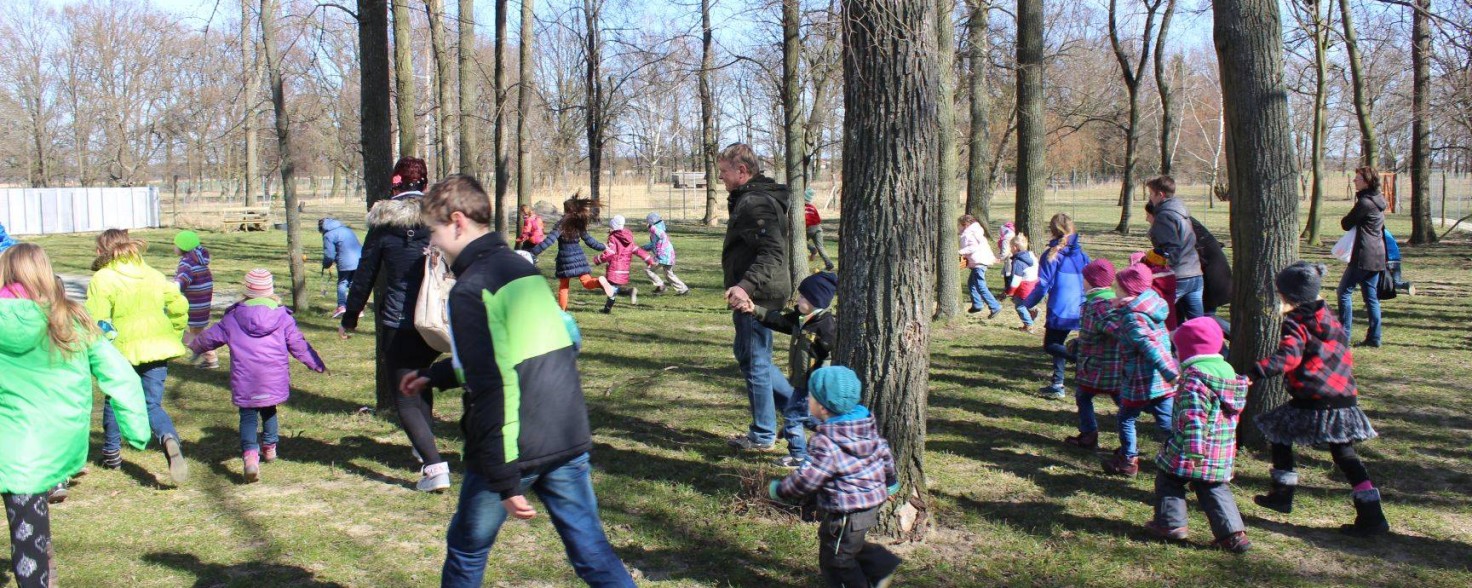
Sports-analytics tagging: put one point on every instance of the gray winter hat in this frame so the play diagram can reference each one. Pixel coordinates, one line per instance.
(1299, 283)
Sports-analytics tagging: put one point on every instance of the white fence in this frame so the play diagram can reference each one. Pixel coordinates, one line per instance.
(44, 211)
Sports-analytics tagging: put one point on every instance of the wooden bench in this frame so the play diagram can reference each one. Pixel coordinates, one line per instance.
(245, 218)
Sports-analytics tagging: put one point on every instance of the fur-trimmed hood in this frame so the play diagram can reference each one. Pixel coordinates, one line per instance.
(401, 212)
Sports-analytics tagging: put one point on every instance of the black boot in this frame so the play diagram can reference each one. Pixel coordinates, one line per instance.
(1280, 498)
(1369, 519)
(607, 306)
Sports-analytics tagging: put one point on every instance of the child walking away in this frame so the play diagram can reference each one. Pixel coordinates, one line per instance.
(1203, 444)
(814, 333)
(664, 256)
(618, 253)
(1392, 263)
(976, 255)
(1148, 366)
(1097, 371)
(532, 232)
(852, 471)
(814, 223)
(526, 424)
(1061, 279)
(149, 315)
(1022, 279)
(198, 284)
(262, 337)
(340, 247)
(1323, 407)
(50, 351)
(572, 263)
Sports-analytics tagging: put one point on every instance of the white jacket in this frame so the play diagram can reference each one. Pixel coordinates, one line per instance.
(975, 248)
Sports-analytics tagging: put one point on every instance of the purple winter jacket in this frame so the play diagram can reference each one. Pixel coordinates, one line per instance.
(260, 336)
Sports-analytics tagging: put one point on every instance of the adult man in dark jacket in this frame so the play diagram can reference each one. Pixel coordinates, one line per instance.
(754, 261)
(1367, 259)
(1174, 239)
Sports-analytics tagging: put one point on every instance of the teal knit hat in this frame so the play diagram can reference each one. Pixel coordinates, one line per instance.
(186, 240)
(836, 387)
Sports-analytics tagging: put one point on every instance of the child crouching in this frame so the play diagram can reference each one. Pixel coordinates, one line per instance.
(852, 470)
(1203, 443)
(262, 337)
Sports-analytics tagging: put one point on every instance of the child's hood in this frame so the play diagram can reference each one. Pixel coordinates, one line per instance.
(22, 326)
(854, 433)
(197, 256)
(133, 269)
(657, 227)
(1149, 304)
(329, 224)
(622, 237)
(259, 320)
(1316, 319)
(1231, 392)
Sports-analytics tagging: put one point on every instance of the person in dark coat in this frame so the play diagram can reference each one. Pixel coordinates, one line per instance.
(394, 251)
(1216, 270)
(1367, 259)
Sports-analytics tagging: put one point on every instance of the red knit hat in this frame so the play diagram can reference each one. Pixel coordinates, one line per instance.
(1099, 273)
(1134, 279)
(1199, 336)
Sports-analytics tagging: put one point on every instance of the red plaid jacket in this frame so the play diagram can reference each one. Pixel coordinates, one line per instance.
(1203, 443)
(1099, 365)
(1315, 355)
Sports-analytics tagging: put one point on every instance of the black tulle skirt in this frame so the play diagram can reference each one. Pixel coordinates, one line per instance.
(1290, 425)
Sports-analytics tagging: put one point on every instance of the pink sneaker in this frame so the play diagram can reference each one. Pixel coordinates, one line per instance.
(341, 310)
(252, 466)
(268, 453)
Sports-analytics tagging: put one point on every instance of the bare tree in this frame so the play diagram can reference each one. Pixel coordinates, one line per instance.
(1422, 232)
(979, 180)
(1031, 127)
(288, 163)
(1313, 21)
(404, 79)
(793, 131)
(442, 80)
(947, 247)
(251, 75)
(593, 105)
(1369, 148)
(466, 80)
(524, 105)
(1169, 123)
(503, 164)
(1133, 75)
(707, 114)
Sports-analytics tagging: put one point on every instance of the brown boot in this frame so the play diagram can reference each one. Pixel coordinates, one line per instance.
(1120, 465)
(1088, 440)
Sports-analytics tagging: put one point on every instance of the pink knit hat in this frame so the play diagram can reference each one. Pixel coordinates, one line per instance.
(1199, 336)
(259, 284)
(1099, 273)
(1137, 257)
(1134, 279)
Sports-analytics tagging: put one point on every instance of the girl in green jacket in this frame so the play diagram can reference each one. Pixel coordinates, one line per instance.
(50, 352)
(148, 314)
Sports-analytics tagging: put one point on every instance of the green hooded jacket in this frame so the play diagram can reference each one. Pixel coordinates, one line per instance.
(46, 400)
(147, 309)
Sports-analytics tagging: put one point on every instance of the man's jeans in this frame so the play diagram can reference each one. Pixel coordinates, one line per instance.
(1160, 407)
(566, 490)
(344, 282)
(980, 294)
(1216, 501)
(152, 375)
(1188, 297)
(1369, 283)
(766, 388)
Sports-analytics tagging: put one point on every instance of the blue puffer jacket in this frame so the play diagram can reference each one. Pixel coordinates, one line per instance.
(571, 261)
(1061, 279)
(339, 245)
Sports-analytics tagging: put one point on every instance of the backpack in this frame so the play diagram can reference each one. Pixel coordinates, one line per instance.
(431, 311)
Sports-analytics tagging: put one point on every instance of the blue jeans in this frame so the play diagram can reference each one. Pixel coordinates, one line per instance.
(795, 416)
(1369, 282)
(250, 420)
(980, 294)
(1188, 297)
(1022, 311)
(566, 489)
(1087, 421)
(766, 388)
(1053, 340)
(344, 282)
(152, 375)
(1161, 408)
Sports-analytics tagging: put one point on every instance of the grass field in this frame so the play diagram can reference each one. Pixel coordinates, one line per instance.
(1014, 506)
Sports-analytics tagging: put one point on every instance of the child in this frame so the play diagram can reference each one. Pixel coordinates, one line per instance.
(260, 334)
(852, 470)
(1004, 251)
(1203, 443)
(571, 261)
(532, 231)
(1061, 279)
(50, 351)
(340, 247)
(1162, 281)
(1392, 263)
(976, 255)
(814, 223)
(1098, 368)
(814, 334)
(1149, 367)
(1323, 407)
(149, 315)
(1022, 280)
(664, 255)
(524, 433)
(198, 284)
(618, 253)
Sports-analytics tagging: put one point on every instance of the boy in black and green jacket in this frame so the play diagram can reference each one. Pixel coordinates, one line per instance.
(814, 332)
(525, 423)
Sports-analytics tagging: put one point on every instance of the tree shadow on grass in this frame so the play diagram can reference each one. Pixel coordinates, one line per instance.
(212, 575)
(220, 446)
(708, 555)
(1039, 518)
(1421, 551)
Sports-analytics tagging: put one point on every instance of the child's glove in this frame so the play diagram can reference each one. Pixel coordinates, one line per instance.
(108, 330)
(772, 491)
(893, 489)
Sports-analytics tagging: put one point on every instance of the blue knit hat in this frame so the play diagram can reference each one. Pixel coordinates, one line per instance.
(835, 387)
(652, 218)
(819, 288)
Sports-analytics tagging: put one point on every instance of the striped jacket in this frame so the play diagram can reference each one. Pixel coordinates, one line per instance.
(849, 466)
(1144, 349)
(1315, 355)
(1203, 443)
(197, 283)
(1099, 366)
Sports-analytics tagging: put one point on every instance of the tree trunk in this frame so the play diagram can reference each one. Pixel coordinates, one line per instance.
(288, 162)
(794, 134)
(1422, 232)
(376, 116)
(593, 85)
(707, 115)
(524, 105)
(978, 176)
(468, 99)
(249, 94)
(947, 248)
(503, 163)
(404, 80)
(1369, 149)
(1320, 34)
(1168, 123)
(437, 32)
(1031, 130)
(1262, 175)
(890, 186)
(1132, 75)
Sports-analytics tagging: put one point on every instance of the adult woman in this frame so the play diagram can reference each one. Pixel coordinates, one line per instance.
(1367, 259)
